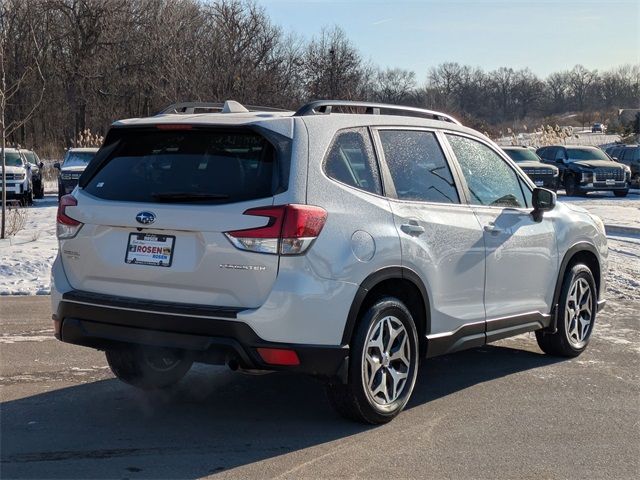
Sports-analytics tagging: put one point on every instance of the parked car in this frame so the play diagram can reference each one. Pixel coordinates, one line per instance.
(74, 163)
(630, 156)
(18, 176)
(37, 167)
(586, 169)
(338, 244)
(598, 128)
(542, 175)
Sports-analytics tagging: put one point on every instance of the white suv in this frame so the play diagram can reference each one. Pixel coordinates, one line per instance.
(342, 245)
(18, 176)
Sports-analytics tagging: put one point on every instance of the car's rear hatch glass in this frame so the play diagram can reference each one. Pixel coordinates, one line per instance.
(187, 166)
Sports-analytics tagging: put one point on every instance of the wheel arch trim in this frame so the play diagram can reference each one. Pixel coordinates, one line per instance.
(374, 279)
(569, 255)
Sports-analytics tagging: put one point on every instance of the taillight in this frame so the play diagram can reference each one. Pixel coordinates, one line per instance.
(66, 227)
(291, 229)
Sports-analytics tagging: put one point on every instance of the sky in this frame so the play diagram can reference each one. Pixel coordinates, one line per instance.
(544, 35)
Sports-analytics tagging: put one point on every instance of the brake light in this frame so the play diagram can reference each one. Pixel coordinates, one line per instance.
(291, 229)
(174, 126)
(279, 356)
(66, 227)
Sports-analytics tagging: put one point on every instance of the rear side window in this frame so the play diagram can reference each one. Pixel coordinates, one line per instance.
(351, 161)
(418, 167)
(193, 166)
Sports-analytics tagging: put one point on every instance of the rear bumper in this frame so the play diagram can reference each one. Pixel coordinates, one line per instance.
(212, 334)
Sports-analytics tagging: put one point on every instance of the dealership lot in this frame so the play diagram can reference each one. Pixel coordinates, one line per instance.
(501, 411)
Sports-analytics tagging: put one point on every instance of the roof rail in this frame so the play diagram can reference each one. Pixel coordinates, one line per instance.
(320, 107)
(229, 106)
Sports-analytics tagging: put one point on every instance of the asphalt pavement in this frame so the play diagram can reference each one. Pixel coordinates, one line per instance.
(497, 412)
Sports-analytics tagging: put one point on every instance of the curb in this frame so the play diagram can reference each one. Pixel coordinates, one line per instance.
(621, 229)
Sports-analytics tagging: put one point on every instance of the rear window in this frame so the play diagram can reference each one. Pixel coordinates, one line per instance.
(189, 166)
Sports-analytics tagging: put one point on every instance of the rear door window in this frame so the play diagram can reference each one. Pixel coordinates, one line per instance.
(351, 161)
(418, 166)
(193, 166)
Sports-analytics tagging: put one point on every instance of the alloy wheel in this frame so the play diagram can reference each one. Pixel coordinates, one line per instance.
(387, 360)
(578, 315)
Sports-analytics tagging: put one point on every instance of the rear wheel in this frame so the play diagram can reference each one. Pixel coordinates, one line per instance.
(576, 315)
(149, 368)
(383, 365)
(620, 193)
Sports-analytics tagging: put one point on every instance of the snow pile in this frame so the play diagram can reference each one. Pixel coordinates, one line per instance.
(25, 259)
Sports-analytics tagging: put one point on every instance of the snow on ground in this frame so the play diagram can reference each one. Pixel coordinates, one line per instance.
(25, 260)
(611, 209)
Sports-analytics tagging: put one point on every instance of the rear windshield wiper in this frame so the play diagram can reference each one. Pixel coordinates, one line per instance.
(187, 196)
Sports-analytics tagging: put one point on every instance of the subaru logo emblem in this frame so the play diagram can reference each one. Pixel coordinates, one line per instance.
(146, 218)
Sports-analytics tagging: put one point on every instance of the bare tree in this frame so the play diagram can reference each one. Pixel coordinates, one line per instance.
(394, 85)
(13, 86)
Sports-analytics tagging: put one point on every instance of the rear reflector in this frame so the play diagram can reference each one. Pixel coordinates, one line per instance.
(66, 227)
(279, 356)
(291, 229)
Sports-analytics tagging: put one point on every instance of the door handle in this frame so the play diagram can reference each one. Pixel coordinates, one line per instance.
(412, 228)
(491, 228)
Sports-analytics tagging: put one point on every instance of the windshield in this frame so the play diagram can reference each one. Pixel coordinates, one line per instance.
(13, 159)
(31, 157)
(522, 155)
(78, 159)
(577, 154)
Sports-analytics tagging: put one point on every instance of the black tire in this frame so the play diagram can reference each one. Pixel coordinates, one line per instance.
(562, 343)
(149, 368)
(354, 400)
(620, 193)
(27, 198)
(571, 186)
(38, 190)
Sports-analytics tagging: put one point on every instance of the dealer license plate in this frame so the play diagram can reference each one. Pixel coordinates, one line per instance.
(148, 249)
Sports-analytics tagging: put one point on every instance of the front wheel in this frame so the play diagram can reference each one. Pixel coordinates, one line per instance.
(620, 193)
(576, 315)
(383, 365)
(149, 368)
(571, 186)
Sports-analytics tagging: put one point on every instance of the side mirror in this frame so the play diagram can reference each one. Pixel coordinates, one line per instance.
(56, 165)
(41, 165)
(543, 200)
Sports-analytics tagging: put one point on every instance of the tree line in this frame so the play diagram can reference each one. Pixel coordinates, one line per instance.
(72, 65)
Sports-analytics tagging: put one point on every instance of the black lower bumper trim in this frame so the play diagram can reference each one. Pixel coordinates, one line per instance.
(211, 340)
